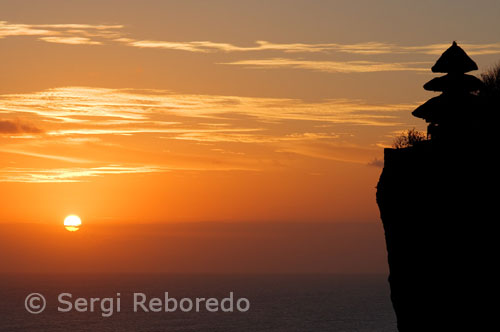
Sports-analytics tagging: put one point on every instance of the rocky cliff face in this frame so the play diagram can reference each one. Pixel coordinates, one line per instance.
(436, 203)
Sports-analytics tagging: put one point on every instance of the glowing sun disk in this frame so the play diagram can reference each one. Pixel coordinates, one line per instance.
(72, 223)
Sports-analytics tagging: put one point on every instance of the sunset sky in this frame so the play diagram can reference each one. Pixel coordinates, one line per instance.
(144, 112)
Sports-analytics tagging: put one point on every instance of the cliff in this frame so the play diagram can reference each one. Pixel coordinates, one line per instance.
(436, 203)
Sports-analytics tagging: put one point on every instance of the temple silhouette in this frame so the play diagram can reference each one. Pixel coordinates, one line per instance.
(436, 201)
(450, 111)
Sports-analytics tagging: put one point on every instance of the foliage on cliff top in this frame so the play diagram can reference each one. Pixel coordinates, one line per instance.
(491, 80)
(408, 139)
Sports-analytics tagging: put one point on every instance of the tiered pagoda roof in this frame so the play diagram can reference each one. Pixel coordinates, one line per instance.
(454, 60)
(456, 99)
(450, 82)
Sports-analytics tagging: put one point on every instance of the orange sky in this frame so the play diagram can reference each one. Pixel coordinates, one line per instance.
(145, 112)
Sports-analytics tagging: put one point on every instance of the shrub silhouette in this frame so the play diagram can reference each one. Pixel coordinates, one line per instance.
(491, 80)
(408, 139)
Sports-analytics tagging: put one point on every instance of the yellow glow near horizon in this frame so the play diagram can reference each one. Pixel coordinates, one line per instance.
(72, 223)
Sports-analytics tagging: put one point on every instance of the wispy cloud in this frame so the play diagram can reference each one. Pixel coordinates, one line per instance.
(333, 66)
(210, 46)
(131, 131)
(253, 137)
(103, 111)
(47, 156)
(69, 174)
(376, 162)
(335, 150)
(366, 48)
(96, 34)
(83, 174)
(437, 49)
(10, 29)
(73, 34)
(17, 127)
(89, 127)
(195, 46)
(99, 27)
(71, 40)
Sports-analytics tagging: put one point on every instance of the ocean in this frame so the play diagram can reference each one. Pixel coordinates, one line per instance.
(274, 303)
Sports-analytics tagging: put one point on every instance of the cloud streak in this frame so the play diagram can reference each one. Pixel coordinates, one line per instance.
(98, 34)
(71, 40)
(82, 174)
(33, 175)
(47, 156)
(332, 66)
(89, 127)
(72, 34)
(102, 111)
(366, 48)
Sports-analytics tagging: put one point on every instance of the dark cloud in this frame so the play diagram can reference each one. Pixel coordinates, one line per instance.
(17, 127)
(376, 163)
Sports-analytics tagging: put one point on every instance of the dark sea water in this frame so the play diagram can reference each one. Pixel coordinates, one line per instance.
(277, 303)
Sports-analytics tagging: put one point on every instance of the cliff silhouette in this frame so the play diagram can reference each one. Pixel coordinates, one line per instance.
(436, 200)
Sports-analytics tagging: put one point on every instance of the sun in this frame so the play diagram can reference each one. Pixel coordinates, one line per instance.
(72, 223)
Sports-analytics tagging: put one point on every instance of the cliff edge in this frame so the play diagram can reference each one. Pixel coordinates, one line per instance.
(436, 207)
